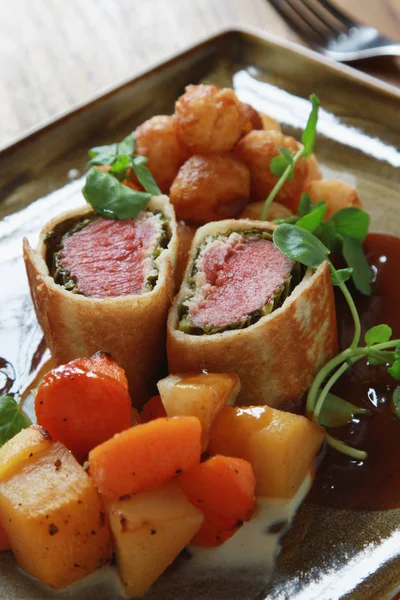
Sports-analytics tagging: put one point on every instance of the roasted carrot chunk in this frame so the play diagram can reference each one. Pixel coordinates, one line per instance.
(153, 409)
(84, 403)
(216, 530)
(223, 488)
(145, 456)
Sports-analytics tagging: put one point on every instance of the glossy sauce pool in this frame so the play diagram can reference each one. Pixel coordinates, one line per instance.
(375, 482)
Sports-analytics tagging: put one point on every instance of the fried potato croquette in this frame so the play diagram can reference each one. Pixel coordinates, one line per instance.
(157, 139)
(314, 171)
(209, 119)
(337, 194)
(210, 188)
(251, 119)
(256, 150)
(269, 123)
(253, 211)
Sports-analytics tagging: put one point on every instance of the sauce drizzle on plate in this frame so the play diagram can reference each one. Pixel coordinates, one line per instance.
(374, 483)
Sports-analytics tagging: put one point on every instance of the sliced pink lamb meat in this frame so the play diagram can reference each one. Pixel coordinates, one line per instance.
(110, 258)
(240, 278)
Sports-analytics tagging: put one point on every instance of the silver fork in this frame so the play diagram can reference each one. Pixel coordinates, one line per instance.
(324, 27)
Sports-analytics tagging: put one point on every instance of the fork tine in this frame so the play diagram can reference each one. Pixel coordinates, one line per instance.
(309, 17)
(300, 25)
(320, 16)
(339, 16)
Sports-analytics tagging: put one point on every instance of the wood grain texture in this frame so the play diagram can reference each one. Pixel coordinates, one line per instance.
(57, 54)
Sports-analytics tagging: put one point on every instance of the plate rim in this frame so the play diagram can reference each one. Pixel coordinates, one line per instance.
(350, 73)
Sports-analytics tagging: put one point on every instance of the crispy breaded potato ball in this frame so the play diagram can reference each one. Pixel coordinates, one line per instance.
(251, 119)
(185, 235)
(256, 150)
(337, 194)
(210, 187)
(157, 139)
(209, 119)
(269, 123)
(253, 210)
(314, 171)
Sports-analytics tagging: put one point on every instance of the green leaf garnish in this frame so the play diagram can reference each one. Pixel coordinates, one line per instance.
(145, 177)
(351, 222)
(313, 218)
(106, 155)
(336, 411)
(12, 420)
(378, 334)
(305, 205)
(396, 402)
(355, 258)
(278, 165)
(110, 198)
(300, 245)
(394, 370)
(340, 276)
(310, 132)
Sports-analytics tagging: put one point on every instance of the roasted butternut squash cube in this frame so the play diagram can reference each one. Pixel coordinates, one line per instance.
(54, 518)
(149, 530)
(200, 395)
(21, 448)
(233, 426)
(283, 453)
(280, 446)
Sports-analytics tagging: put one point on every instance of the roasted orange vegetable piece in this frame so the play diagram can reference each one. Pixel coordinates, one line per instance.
(281, 446)
(283, 453)
(21, 448)
(216, 530)
(153, 409)
(149, 530)
(200, 395)
(54, 517)
(233, 426)
(84, 403)
(222, 486)
(145, 456)
(4, 542)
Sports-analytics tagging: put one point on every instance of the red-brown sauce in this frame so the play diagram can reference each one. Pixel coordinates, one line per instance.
(374, 483)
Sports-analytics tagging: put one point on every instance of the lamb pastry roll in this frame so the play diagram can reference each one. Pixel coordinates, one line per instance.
(104, 284)
(245, 307)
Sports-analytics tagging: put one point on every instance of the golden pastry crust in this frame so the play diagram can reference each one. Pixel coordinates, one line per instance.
(277, 357)
(131, 328)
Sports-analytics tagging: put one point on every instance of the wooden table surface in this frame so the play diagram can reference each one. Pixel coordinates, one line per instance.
(56, 54)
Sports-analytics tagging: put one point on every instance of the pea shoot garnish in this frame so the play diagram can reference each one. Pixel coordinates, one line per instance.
(310, 240)
(104, 190)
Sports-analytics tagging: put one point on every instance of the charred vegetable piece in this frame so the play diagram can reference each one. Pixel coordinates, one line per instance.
(200, 395)
(145, 456)
(53, 515)
(149, 530)
(84, 403)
